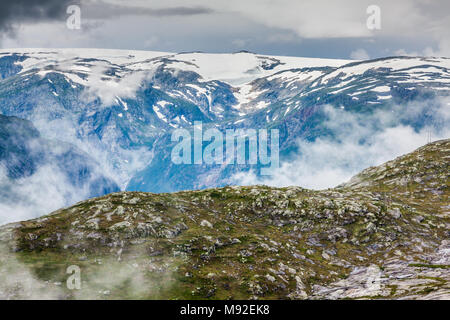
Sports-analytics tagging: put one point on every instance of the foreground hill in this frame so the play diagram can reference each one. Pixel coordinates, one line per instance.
(384, 234)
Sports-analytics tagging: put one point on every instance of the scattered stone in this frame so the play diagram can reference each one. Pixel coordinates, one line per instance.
(206, 223)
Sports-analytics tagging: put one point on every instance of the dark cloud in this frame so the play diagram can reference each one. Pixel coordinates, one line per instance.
(16, 12)
(102, 10)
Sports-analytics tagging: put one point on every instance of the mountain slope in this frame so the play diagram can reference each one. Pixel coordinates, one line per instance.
(121, 107)
(382, 235)
(36, 172)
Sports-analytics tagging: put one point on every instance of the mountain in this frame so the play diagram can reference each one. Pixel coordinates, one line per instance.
(384, 234)
(35, 170)
(121, 107)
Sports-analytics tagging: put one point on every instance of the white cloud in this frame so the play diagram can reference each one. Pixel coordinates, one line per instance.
(359, 54)
(43, 192)
(327, 162)
(403, 52)
(328, 19)
(239, 43)
(99, 86)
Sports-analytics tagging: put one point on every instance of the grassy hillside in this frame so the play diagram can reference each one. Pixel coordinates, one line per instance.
(384, 234)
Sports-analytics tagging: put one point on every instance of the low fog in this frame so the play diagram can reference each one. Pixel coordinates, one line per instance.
(360, 141)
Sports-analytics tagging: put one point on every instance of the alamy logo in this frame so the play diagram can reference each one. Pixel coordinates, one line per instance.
(74, 280)
(242, 146)
(374, 20)
(74, 20)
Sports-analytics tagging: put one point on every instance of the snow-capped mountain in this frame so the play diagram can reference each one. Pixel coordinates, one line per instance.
(121, 106)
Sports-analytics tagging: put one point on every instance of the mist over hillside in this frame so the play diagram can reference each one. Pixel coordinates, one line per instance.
(381, 235)
(119, 107)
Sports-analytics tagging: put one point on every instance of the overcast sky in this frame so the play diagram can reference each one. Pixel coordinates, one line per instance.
(314, 28)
